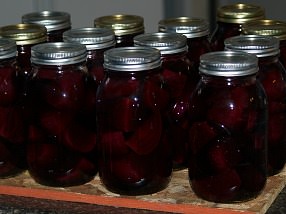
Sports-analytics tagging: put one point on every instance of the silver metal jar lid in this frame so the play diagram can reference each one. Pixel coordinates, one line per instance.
(92, 38)
(190, 27)
(132, 59)
(8, 48)
(228, 63)
(261, 46)
(52, 20)
(58, 53)
(167, 43)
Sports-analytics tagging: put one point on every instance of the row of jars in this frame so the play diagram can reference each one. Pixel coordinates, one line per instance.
(136, 113)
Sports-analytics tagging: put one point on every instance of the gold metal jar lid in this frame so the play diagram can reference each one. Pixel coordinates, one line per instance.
(266, 27)
(25, 34)
(240, 13)
(121, 24)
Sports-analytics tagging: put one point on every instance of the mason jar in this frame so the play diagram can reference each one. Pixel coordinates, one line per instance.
(96, 40)
(230, 19)
(134, 157)
(61, 145)
(178, 83)
(12, 126)
(227, 132)
(197, 32)
(26, 36)
(272, 75)
(56, 23)
(125, 27)
(269, 27)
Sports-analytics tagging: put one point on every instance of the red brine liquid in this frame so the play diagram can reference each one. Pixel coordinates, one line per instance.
(227, 134)
(134, 158)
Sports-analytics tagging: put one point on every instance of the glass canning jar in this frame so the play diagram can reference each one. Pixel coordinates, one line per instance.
(56, 23)
(96, 40)
(12, 127)
(230, 19)
(134, 158)
(178, 83)
(268, 27)
(61, 145)
(273, 78)
(125, 27)
(227, 134)
(26, 36)
(197, 32)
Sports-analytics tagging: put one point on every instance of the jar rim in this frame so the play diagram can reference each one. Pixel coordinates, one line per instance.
(228, 64)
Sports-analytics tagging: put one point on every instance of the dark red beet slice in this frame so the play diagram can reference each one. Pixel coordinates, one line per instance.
(251, 178)
(125, 114)
(12, 124)
(175, 82)
(147, 136)
(114, 143)
(229, 109)
(128, 170)
(274, 85)
(200, 134)
(221, 187)
(79, 139)
(223, 154)
(43, 156)
(276, 128)
(8, 90)
(65, 92)
(54, 122)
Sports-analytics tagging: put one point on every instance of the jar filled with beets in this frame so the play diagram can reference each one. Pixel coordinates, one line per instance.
(61, 148)
(230, 19)
(272, 75)
(125, 27)
(26, 36)
(96, 40)
(228, 126)
(134, 157)
(12, 125)
(179, 85)
(269, 27)
(197, 32)
(56, 23)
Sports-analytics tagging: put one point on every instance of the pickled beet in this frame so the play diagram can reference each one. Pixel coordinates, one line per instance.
(54, 122)
(8, 87)
(12, 126)
(234, 105)
(274, 84)
(63, 91)
(223, 154)
(147, 136)
(221, 187)
(78, 138)
(114, 142)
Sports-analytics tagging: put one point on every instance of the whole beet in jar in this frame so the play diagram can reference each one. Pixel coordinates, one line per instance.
(125, 27)
(230, 19)
(134, 158)
(178, 83)
(227, 135)
(12, 128)
(268, 27)
(197, 32)
(56, 23)
(61, 148)
(96, 40)
(272, 75)
(26, 36)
